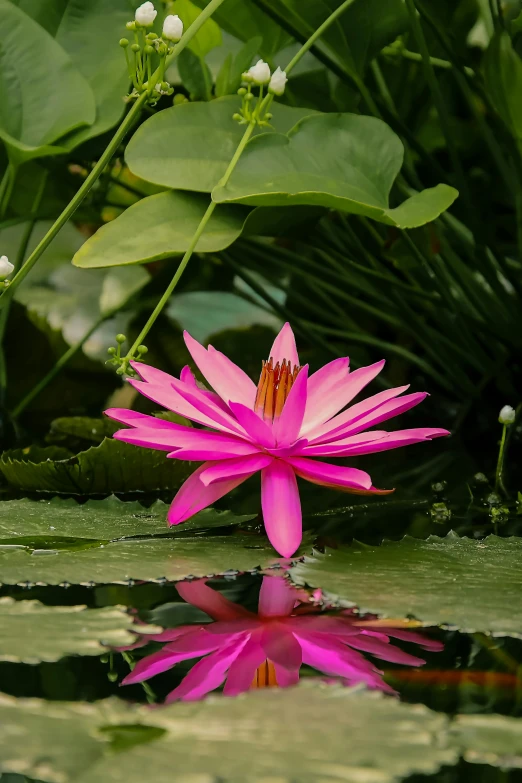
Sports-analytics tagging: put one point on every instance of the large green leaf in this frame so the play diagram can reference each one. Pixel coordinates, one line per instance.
(342, 161)
(148, 560)
(43, 95)
(98, 520)
(455, 582)
(31, 632)
(161, 226)
(88, 30)
(113, 466)
(189, 147)
(275, 734)
(503, 79)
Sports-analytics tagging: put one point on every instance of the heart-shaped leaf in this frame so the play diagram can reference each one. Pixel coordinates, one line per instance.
(166, 224)
(342, 161)
(189, 147)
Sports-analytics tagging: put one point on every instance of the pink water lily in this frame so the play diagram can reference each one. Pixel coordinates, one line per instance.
(268, 648)
(279, 428)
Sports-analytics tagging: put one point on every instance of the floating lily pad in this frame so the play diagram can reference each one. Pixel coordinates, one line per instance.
(171, 558)
(31, 632)
(283, 735)
(454, 582)
(100, 520)
(489, 739)
(354, 172)
(189, 147)
(113, 466)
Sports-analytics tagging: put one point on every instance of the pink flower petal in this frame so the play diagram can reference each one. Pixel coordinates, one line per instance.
(193, 496)
(204, 403)
(281, 507)
(281, 646)
(384, 651)
(243, 466)
(366, 444)
(188, 439)
(226, 378)
(199, 594)
(189, 646)
(207, 674)
(334, 659)
(329, 398)
(258, 431)
(335, 427)
(433, 645)
(152, 375)
(243, 669)
(286, 677)
(189, 379)
(277, 597)
(384, 412)
(135, 419)
(330, 475)
(286, 427)
(284, 347)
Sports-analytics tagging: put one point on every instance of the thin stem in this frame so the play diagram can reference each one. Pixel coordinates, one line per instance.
(189, 251)
(317, 34)
(77, 199)
(22, 250)
(60, 364)
(499, 484)
(437, 62)
(107, 155)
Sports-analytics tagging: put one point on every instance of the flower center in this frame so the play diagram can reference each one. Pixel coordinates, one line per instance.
(265, 676)
(274, 387)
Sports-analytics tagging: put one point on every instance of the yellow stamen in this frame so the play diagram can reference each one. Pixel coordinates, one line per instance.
(274, 387)
(265, 676)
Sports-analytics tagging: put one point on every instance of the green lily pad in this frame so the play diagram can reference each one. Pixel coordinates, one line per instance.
(31, 632)
(100, 520)
(189, 147)
(39, 104)
(489, 739)
(275, 734)
(169, 558)
(455, 582)
(113, 466)
(167, 222)
(353, 172)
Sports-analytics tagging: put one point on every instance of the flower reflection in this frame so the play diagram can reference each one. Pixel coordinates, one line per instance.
(246, 650)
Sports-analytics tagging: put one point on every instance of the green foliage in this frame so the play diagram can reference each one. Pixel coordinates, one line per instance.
(33, 120)
(354, 174)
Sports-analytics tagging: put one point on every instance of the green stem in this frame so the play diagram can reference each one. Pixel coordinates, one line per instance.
(499, 484)
(437, 62)
(60, 364)
(106, 156)
(192, 246)
(8, 181)
(22, 250)
(317, 34)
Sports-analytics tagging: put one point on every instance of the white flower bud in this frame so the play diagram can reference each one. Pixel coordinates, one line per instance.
(6, 267)
(278, 82)
(172, 28)
(145, 14)
(260, 72)
(507, 415)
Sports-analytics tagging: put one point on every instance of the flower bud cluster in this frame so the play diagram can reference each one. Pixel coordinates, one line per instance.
(147, 45)
(259, 75)
(6, 268)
